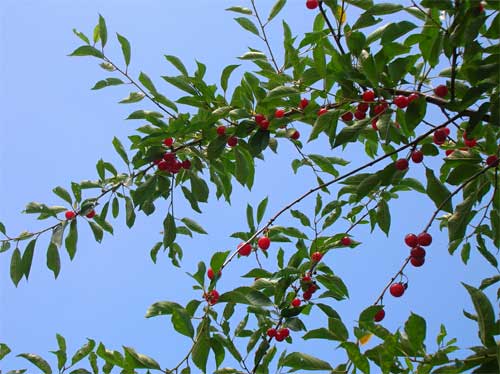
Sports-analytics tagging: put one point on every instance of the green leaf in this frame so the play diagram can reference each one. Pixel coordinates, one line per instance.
(83, 351)
(489, 282)
(194, 226)
(129, 212)
(302, 361)
(81, 35)
(96, 230)
(384, 8)
(415, 329)
(459, 220)
(246, 295)
(360, 361)
(304, 220)
(103, 31)
(437, 191)
(87, 50)
(107, 83)
(148, 83)
(178, 64)
(4, 350)
(133, 97)
(16, 268)
(38, 361)
(280, 92)
(120, 149)
(63, 194)
(201, 347)
(261, 209)
(384, 216)
(485, 314)
(415, 113)
(239, 9)
(53, 259)
(199, 188)
(125, 48)
(72, 239)
(278, 5)
(253, 55)
(169, 232)
(136, 360)
(217, 260)
(322, 333)
(226, 73)
(241, 166)
(335, 285)
(27, 258)
(247, 25)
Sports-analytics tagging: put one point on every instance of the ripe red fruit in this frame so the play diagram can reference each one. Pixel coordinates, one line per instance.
(368, 96)
(322, 111)
(417, 252)
(401, 164)
(316, 256)
(492, 160)
(304, 102)
(279, 113)
(412, 97)
(163, 165)
(347, 116)
(411, 240)
(264, 243)
(379, 109)
(449, 152)
(346, 241)
(90, 214)
(169, 157)
(312, 288)
(470, 143)
(264, 125)
(232, 141)
(359, 115)
(307, 295)
(175, 168)
(221, 130)
(306, 279)
(374, 124)
(296, 302)
(279, 336)
(271, 332)
(379, 316)
(259, 118)
(397, 289)
(446, 130)
(211, 274)
(186, 164)
(417, 261)
(401, 101)
(417, 156)
(285, 332)
(295, 135)
(244, 249)
(69, 215)
(212, 297)
(312, 4)
(168, 142)
(424, 239)
(363, 107)
(441, 90)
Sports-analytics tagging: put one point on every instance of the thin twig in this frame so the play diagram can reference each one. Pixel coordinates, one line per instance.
(264, 37)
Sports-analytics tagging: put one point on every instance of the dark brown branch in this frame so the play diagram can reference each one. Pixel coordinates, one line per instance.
(264, 37)
(332, 30)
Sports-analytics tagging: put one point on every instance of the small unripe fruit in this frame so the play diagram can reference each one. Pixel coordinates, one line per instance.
(186, 164)
(346, 241)
(411, 240)
(359, 115)
(69, 215)
(168, 142)
(303, 103)
(264, 243)
(492, 160)
(296, 302)
(441, 90)
(368, 96)
(379, 316)
(363, 107)
(424, 239)
(397, 289)
(232, 141)
(401, 101)
(347, 116)
(244, 249)
(417, 156)
(221, 130)
(417, 261)
(279, 113)
(90, 214)
(316, 256)
(312, 4)
(412, 97)
(295, 135)
(271, 332)
(322, 111)
(401, 164)
(417, 252)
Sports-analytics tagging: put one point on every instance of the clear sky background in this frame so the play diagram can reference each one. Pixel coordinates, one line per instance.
(53, 129)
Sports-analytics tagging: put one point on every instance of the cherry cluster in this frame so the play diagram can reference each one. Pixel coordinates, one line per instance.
(169, 161)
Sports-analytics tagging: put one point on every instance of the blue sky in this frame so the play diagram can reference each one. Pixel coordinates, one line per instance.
(53, 131)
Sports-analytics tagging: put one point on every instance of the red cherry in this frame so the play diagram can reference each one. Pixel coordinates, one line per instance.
(279, 113)
(347, 116)
(359, 115)
(90, 214)
(168, 142)
(411, 240)
(413, 96)
(379, 109)
(259, 118)
(417, 252)
(449, 152)
(271, 332)
(417, 156)
(244, 249)
(440, 135)
(307, 296)
(363, 107)
(441, 90)
(212, 297)
(285, 332)
(169, 157)
(316, 256)
(296, 302)
(368, 96)
(312, 288)
(156, 162)
(163, 165)
(279, 336)
(417, 261)
(186, 164)
(264, 243)
(232, 141)
(401, 164)
(312, 4)
(210, 273)
(175, 168)
(306, 279)
(69, 215)
(446, 130)
(264, 125)
(346, 241)
(322, 111)
(295, 135)
(401, 101)
(221, 130)
(397, 289)
(379, 316)
(492, 160)
(481, 7)
(304, 102)
(424, 239)
(374, 124)
(470, 143)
